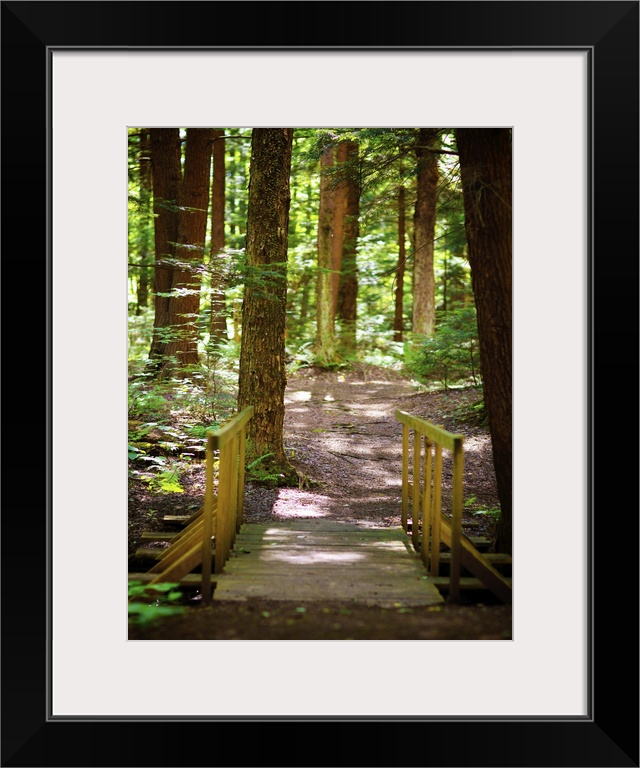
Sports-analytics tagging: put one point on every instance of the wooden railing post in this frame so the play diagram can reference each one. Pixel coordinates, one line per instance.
(415, 502)
(405, 476)
(234, 491)
(241, 459)
(456, 521)
(427, 511)
(224, 504)
(208, 531)
(230, 443)
(436, 511)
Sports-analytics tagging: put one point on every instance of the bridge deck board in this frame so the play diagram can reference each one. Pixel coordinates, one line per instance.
(325, 560)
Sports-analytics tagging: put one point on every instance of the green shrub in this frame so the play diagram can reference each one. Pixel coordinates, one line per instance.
(452, 355)
(150, 602)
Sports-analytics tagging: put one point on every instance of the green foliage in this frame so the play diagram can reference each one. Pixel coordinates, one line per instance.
(257, 472)
(160, 476)
(163, 599)
(492, 512)
(148, 401)
(451, 356)
(166, 481)
(475, 508)
(473, 413)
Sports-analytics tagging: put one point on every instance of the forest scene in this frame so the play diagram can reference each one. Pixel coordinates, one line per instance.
(327, 279)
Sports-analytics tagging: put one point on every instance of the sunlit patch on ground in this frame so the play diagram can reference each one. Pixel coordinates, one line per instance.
(292, 503)
(313, 557)
(299, 396)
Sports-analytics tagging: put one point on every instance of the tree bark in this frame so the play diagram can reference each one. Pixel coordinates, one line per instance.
(167, 176)
(339, 210)
(262, 378)
(182, 349)
(398, 317)
(424, 291)
(325, 350)
(485, 167)
(146, 193)
(218, 319)
(348, 289)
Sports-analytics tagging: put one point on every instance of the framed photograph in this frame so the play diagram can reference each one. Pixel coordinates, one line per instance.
(564, 77)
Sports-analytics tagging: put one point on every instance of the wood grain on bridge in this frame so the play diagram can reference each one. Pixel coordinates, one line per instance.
(319, 559)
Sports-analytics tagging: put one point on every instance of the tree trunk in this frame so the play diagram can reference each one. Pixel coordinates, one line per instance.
(348, 290)
(339, 209)
(146, 192)
(167, 175)
(398, 318)
(182, 349)
(262, 379)
(325, 351)
(424, 290)
(218, 320)
(485, 167)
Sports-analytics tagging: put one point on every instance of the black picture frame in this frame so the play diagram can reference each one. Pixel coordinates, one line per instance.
(608, 736)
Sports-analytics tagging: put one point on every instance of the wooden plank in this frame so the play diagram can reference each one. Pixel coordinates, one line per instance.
(157, 535)
(183, 519)
(179, 568)
(466, 583)
(175, 552)
(496, 558)
(149, 553)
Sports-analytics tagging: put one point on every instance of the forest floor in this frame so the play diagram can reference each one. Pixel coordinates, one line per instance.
(343, 438)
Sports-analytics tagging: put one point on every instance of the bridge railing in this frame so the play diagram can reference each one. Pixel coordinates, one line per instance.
(224, 500)
(425, 492)
(219, 518)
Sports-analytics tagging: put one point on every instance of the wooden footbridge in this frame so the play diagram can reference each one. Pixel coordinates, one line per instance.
(429, 557)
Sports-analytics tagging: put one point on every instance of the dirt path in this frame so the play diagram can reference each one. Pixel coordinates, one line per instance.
(341, 432)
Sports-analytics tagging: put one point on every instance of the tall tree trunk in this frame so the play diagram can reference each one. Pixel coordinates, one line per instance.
(325, 350)
(218, 320)
(184, 304)
(485, 168)
(398, 321)
(263, 377)
(424, 290)
(348, 289)
(339, 210)
(167, 175)
(146, 193)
